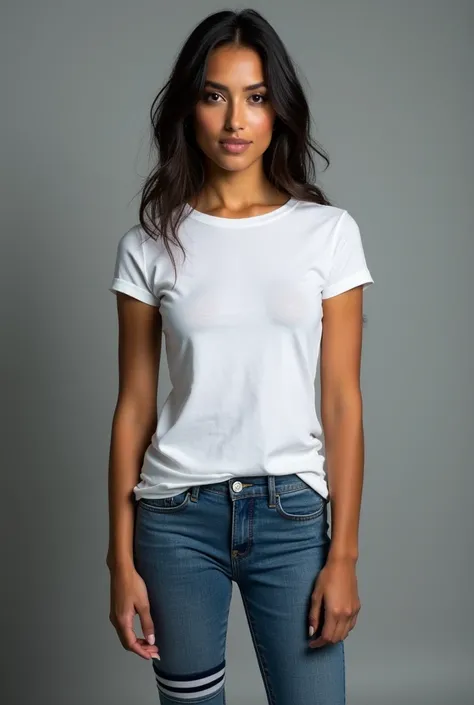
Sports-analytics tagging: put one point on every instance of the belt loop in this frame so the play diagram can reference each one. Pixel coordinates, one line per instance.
(271, 491)
(195, 493)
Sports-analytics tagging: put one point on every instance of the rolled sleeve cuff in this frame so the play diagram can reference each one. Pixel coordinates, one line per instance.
(133, 290)
(363, 276)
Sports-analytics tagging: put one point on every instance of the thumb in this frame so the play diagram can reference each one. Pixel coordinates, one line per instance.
(146, 622)
(315, 613)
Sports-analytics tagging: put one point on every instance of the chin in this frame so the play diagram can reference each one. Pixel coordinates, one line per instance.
(230, 163)
(235, 167)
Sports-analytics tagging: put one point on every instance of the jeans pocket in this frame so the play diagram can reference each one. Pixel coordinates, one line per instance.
(166, 504)
(300, 505)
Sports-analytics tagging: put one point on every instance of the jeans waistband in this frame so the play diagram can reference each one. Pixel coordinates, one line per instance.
(253, 486)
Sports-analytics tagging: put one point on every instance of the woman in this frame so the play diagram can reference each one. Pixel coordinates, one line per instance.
(232, 486)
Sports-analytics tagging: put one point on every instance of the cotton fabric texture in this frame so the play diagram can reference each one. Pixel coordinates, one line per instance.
(242, 329)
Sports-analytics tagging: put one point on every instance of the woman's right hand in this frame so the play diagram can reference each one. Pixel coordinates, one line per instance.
(128, 595)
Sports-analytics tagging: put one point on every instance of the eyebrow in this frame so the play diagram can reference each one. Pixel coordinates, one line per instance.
(222, 87)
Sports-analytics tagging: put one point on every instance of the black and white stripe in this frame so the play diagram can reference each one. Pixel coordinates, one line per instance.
(192, 685)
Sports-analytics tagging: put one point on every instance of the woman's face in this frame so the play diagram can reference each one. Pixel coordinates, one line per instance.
(234, 104)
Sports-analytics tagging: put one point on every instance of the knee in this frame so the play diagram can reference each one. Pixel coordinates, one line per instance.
(195, 687)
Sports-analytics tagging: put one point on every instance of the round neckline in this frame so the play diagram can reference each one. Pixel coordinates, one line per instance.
(246, 222)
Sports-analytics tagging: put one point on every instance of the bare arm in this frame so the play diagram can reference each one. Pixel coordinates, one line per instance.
(134, 421)
(341, 415)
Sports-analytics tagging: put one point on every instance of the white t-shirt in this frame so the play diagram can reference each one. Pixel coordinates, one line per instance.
(242, 328)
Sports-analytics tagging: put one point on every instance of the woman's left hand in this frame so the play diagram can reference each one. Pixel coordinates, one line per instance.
(337, 587)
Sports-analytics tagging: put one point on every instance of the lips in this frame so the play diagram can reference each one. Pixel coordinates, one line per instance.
(234, 146)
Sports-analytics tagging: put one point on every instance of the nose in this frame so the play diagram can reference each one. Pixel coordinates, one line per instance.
(234, 117)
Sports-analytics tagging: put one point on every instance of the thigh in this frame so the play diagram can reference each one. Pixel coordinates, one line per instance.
(189, 591)
(290, 547)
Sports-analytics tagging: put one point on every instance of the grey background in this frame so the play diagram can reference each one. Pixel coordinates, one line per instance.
(390, 85)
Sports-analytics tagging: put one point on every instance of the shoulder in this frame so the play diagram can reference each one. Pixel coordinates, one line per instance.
(337, 221)
(328, 224)
(319, 208)
(320, 213)
(131, 240)
(137, 242)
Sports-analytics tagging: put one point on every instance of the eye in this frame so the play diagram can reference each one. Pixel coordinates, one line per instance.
(264, 98)
(207, 96)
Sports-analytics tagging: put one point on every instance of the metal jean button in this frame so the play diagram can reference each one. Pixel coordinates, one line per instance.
(237, 486)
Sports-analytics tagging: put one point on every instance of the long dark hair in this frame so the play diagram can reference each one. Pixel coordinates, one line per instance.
(179, 174)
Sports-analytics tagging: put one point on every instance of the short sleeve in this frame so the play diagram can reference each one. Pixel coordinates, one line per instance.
(130, 274)
(348, 266)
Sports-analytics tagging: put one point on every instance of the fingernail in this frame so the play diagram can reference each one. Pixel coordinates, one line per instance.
(156, 656)
(151, 639)
(311, 630)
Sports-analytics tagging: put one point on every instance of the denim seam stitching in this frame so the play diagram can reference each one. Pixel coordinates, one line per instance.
(250, 536)
(165, 510)
(258, 651)
(285, 488)
(295, 517)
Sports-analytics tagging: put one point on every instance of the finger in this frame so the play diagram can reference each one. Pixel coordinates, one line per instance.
(352, 622)
(342, 629)
(146, 623)
(353, 619)
(329, 627)
(320, 641)
(153, 651)
(129, 639)
(315, 615)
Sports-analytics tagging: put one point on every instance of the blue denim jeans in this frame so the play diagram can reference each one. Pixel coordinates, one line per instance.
(268, 534)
